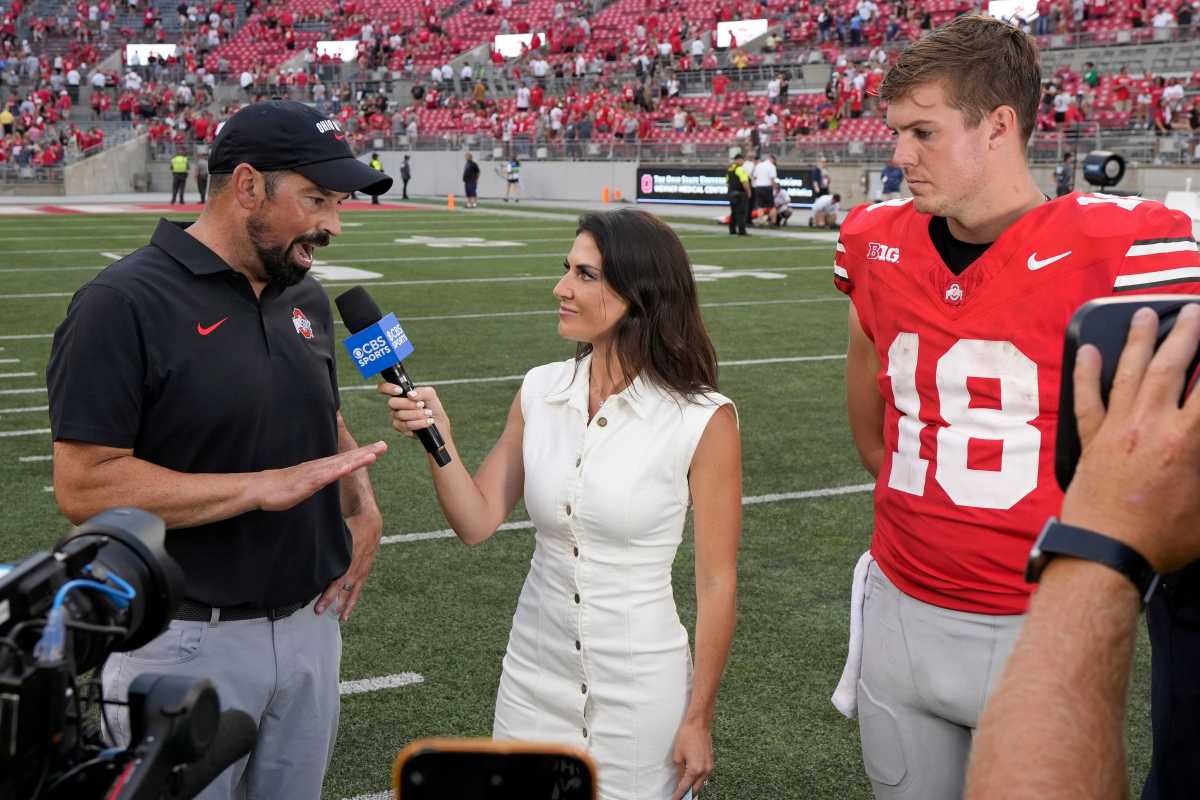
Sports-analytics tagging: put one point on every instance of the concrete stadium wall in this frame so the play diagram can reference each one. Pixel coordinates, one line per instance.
(109, 172)
(1150, 181)
(440, 173)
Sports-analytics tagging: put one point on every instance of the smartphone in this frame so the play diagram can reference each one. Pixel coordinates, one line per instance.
(1105, 324)
(484, 769)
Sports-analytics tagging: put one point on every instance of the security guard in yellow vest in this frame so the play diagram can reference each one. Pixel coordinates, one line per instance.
(738, 189)
(376, 164)
(179, 174)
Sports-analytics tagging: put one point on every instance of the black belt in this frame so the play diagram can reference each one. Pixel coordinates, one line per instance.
(190, 611)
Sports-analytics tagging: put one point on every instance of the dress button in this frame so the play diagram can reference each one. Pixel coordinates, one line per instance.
(602, 422)
(585, 733)
(578, 645)
(583, 688)
(578, 461)
(568, 509)
(577, 597)
(576, 552)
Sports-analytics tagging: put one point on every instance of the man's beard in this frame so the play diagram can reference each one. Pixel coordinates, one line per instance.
(278, 265)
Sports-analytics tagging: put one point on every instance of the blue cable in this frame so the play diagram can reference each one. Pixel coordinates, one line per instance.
(49, 650)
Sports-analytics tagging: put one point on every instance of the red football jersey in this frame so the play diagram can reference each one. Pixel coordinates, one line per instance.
(970, 369)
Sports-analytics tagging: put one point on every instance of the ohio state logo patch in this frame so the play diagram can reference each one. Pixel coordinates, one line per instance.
(303, 326)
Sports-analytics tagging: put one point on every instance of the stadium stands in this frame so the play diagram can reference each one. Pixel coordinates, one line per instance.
(600, 76)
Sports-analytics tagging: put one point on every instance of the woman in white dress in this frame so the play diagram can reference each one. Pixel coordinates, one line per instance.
(607, 449)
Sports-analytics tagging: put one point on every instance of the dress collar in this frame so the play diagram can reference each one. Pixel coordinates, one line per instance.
(639, 396)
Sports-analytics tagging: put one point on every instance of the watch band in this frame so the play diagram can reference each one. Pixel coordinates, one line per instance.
(1058, 539)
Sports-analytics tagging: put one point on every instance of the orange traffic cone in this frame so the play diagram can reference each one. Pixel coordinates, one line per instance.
(449, 202)
(604, 195)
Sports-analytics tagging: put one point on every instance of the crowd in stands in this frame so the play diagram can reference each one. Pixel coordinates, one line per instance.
(36, 131)
(587, 75)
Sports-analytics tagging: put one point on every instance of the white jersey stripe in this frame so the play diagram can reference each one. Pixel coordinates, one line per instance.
(841, 248)
(841, 273)
(1162, 276)
(1158, 248)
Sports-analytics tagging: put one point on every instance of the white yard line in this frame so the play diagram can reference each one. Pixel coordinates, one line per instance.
(30, 459)
(333, 257)
(750, 362)
(25, 410)
(17, 374)
(753, 500)
(383, 682)
(31, 432)
(457, 232)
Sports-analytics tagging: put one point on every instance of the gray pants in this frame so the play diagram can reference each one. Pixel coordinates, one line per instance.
(926, 674)
(283, 673)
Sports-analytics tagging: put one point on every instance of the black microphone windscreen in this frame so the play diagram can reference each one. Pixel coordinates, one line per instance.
(357, 308)
(235, 737)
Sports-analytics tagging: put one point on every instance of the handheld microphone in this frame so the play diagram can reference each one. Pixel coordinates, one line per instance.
(235, 737)
(378, 346)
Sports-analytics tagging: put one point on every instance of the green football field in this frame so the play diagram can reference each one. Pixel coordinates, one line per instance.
(473, 291)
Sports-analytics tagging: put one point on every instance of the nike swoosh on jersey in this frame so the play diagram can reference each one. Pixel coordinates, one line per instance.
(1034, 265)
(203, 331)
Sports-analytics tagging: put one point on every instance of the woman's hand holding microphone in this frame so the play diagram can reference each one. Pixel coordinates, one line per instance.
(419, 410)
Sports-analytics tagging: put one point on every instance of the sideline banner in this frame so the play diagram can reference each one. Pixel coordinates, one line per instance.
(697, 185)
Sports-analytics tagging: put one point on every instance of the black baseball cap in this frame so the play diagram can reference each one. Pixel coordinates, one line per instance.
(286, 135)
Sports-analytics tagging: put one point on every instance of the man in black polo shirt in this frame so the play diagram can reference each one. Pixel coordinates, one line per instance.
(196, 379)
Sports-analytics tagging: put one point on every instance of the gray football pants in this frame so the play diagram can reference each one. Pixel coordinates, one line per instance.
(926, 674)
(284, 674)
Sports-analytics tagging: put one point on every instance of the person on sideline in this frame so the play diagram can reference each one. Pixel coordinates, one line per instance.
(470, 178)
(405, 175)
(825, 211)
(608, 449)
(960, 435)
(179, 175)
(738, 187)
(1064, 175)
(512, 175)
(376, 165)
(202, 176)
(186, 380)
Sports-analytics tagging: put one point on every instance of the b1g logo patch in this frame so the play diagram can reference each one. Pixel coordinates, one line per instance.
(881, 252)
(303, 326)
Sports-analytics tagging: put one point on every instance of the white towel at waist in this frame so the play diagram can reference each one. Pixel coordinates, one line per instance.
(845, 696)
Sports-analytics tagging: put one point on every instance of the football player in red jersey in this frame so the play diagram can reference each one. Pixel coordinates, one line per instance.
(960, 299)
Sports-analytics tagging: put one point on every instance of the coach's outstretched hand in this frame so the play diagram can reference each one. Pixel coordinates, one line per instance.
(280, 489)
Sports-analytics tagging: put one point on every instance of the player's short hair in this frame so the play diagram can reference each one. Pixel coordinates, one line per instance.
(981, 62)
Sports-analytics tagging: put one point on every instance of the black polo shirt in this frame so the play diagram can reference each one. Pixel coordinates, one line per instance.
(168, 352)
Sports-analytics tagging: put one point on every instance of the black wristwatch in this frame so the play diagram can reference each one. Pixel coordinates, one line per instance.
(1057, 539)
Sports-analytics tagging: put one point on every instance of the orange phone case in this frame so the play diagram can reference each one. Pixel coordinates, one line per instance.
(484, 745)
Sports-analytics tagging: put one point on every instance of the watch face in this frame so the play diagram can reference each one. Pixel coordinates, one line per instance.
(1037, 558)
(1036, 563)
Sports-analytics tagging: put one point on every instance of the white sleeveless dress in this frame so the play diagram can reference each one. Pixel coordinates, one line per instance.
(597, 657)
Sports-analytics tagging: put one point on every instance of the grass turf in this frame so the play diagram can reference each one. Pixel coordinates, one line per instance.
(480, 309)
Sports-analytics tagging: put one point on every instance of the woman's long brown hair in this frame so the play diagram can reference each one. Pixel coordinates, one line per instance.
(661, 335)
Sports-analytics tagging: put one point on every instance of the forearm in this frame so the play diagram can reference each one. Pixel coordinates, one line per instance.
(183, 500)
(716, 615)
(1064, 690)
(465, 506)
